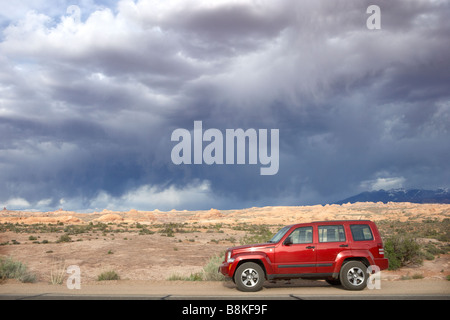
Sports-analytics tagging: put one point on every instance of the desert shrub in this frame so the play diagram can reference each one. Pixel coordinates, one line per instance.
(208, 273)
(175, 277)
(402, 250)
(78, 229)
(198, 276)
(64, 238)
(108, 275)
(57, 272)
(10, 269)
(168, 230)
(210, 269)
(415, 276)
(257, 234)
(144, 231)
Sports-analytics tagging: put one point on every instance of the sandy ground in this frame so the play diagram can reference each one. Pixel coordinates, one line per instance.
(132, 256)
(146, 261)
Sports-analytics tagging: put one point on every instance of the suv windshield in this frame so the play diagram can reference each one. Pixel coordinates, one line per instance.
(279, 234)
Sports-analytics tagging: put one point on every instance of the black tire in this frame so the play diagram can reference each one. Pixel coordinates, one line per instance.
(333, 282)
(353, 275)
(249, 277)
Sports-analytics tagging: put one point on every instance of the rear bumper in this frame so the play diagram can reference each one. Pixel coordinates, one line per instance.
(382, 263)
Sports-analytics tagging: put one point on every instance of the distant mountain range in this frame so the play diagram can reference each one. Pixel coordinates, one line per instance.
(401, 195)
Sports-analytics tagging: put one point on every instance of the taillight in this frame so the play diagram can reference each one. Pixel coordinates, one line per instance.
(380, 249)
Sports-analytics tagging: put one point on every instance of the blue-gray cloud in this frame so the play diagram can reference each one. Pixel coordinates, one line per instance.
(88, 103)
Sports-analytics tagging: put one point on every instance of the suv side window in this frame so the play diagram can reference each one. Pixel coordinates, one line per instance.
(361, 232)
(301, 235)
(333, 233)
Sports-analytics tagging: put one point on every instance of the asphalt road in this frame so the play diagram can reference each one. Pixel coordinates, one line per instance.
(52, 296)
(188, 290)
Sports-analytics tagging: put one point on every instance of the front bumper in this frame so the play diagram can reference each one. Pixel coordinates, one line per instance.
(226, 269)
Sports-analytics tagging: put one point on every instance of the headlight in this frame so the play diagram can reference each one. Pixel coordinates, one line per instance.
(229, 259)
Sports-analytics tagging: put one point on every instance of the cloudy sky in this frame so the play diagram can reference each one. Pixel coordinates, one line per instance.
(91, 91)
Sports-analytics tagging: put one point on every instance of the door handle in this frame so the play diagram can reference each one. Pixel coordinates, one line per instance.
(310, 247)
(343, 245)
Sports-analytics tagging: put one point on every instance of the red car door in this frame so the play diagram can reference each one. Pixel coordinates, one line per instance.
(296, 254)
(332, 240)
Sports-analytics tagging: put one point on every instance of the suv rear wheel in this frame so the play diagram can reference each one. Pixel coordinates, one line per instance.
(249, 277)
(353, 275)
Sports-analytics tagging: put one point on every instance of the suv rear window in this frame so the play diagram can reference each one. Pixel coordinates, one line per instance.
(361, 232)
(332, 233)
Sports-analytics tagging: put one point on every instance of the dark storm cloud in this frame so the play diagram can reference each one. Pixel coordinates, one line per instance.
(87, 106)
(228, 29)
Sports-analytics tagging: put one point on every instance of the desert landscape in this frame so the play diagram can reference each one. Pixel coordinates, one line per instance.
(177, 245)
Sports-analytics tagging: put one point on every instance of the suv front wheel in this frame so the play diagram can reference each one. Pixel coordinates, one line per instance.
(353, 275)
(249, 277)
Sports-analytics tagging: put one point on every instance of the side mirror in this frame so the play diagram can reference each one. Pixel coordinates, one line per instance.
(288, 241)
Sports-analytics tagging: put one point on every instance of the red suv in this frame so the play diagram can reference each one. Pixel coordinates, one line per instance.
(338, 251)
